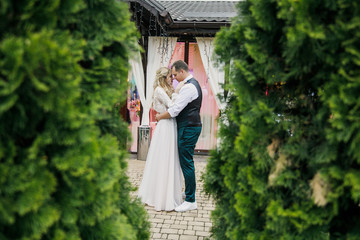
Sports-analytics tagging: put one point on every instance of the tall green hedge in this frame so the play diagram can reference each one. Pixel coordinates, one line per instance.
(288, 166)
(63, 67)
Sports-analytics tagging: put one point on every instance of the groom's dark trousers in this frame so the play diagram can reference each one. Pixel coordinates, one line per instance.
(187, 138)
(189, 129)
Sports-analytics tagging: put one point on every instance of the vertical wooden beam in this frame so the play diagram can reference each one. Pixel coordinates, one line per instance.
(144, 44)
(186, 57)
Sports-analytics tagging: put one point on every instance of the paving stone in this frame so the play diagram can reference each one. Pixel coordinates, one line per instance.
(200, 233)
(202, 219)
(188, 219)
(180, 226)
(169, 231)
(198, 223)
(169, 221)
(188, 237)
(155, 230)
(189, 232)
(166, 226)
(156, 235)
(156, 220)
(174, 237)
(198, 228)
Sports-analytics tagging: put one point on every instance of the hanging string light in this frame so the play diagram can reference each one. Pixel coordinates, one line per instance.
(135, 10)
(141, 17)
(153, 27)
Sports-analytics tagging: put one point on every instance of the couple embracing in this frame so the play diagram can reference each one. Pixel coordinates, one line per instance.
(173, 143)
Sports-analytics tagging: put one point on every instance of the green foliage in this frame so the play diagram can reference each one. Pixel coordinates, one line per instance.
(288, 166)
(63, 68)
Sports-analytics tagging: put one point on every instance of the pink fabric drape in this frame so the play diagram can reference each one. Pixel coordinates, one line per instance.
(209, 109)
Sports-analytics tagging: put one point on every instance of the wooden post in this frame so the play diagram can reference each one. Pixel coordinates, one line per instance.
(186, 55)
(145, 45)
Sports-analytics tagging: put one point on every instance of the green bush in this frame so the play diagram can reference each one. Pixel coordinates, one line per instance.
(289, 163)
(63, 67)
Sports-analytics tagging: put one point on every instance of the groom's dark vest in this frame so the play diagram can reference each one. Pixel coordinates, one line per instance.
(190, 115)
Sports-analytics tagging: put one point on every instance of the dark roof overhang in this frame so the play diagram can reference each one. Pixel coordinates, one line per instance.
(168, 25)
(196, 28)
(156, 9)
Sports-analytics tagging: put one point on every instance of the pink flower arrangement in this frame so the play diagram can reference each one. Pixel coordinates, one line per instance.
(134, 105)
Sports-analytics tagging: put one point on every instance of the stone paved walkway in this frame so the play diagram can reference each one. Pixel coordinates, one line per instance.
(191, 225)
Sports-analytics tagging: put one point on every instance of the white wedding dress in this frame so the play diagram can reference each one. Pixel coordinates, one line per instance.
(161, 186)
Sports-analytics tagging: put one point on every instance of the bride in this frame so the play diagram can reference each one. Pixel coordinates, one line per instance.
(161, 186)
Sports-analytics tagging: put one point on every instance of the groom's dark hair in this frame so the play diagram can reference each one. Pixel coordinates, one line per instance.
(180, 64)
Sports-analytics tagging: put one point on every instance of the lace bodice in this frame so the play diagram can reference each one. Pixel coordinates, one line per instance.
(161, 101)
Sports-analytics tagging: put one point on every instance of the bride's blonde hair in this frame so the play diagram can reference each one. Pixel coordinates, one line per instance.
(160, 80)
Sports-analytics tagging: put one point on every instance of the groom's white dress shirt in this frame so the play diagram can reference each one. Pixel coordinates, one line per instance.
(187, 94)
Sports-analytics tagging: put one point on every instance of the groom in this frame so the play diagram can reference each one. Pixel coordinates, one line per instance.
(186, 109)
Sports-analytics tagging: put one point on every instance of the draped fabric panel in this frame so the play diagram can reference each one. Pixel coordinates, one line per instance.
(209, 108)
(133, 102)
(137, 72)
(215, 74)
(160, 50)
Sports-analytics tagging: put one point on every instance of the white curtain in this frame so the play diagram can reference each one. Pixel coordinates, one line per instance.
(160, 50)
(216, 75)
(138, 71)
